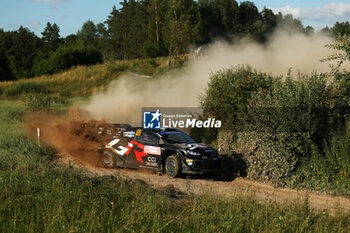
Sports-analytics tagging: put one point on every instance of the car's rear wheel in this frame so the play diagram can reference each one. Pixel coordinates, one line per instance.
(172, 166)
(108, 159)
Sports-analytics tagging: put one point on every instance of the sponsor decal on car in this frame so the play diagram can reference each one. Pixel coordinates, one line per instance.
(120, 150)
(152, 150)
(152, 159)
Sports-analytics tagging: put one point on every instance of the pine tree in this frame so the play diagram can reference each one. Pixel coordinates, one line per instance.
(220, 18)
(114, 33)
(137, 29)
(182, 29)
(156, 12)
(51, 37)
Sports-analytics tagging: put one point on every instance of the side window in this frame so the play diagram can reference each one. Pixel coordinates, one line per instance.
(149, 137)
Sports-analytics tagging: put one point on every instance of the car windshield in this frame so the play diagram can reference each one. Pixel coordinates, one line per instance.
(176, 137)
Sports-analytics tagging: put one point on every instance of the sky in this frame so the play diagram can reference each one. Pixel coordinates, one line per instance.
(70, 15)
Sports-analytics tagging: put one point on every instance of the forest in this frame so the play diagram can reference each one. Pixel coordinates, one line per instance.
(144, 29)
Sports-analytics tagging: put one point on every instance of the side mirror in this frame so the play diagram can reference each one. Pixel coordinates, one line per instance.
(160, 142)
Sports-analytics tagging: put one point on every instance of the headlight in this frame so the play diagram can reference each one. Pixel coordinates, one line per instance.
(189, 162)
(191, 152)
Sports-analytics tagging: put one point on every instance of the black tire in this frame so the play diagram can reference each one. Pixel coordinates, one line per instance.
(108, 159)
(172, 166)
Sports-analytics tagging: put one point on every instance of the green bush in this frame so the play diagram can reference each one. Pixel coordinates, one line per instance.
(329, 172)
(39, 102)
(145, 66)
(229, 92)
(284, 124)
(113, 68)
(11, 91)
(275, 124)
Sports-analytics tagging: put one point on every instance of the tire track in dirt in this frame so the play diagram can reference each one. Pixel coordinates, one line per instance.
(240, 187)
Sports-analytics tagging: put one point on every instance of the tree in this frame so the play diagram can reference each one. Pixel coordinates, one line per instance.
(88, 33)
(182, 27)
(51, 37)
(70, 39)
(126, 14)
(219, 18)
(309, 31)
(343, 50)
(341, 76)
(101, 30)
(325, 31)
(67, 56)
(248, 13)
(114, 33)
(253, 22)
(105, 44)
(119, 23)
(156, 10)
(340, 29)
(5, 70)
(289, 23)
(23, 46)
(137, 30)
(269, 19)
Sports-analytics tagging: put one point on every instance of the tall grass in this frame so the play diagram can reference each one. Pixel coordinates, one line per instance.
(83, 80)
(38, 195)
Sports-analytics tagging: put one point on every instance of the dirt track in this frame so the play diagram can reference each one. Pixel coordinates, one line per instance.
(62, 134)
(240, 187)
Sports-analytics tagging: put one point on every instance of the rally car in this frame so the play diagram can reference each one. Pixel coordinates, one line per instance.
(164, 150)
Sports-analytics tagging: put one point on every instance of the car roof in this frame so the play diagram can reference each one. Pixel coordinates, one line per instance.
(125, 126)
(155, 130)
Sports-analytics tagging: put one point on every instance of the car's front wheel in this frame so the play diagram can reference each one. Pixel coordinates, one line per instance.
(108, 159)
(172, 166)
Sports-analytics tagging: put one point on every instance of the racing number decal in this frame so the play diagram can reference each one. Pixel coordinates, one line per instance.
(138, 132)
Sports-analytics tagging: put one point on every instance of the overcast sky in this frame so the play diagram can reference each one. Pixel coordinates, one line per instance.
(71, 14)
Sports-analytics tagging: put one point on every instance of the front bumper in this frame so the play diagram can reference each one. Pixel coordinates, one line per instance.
(209, 166)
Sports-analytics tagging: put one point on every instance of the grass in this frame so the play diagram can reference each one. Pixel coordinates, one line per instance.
(83, 80)
(38, 195)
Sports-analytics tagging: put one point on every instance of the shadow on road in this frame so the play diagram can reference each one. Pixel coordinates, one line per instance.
(236, 167)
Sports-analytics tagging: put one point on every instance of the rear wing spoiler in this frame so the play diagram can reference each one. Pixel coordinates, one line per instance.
(112, 130)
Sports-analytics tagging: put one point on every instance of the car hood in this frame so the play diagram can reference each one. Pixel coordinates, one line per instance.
(196, 147)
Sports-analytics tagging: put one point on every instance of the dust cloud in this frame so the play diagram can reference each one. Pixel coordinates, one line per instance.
(124, 98)
(73, 136)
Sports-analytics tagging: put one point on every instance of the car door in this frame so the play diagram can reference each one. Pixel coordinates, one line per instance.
(151, 149)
